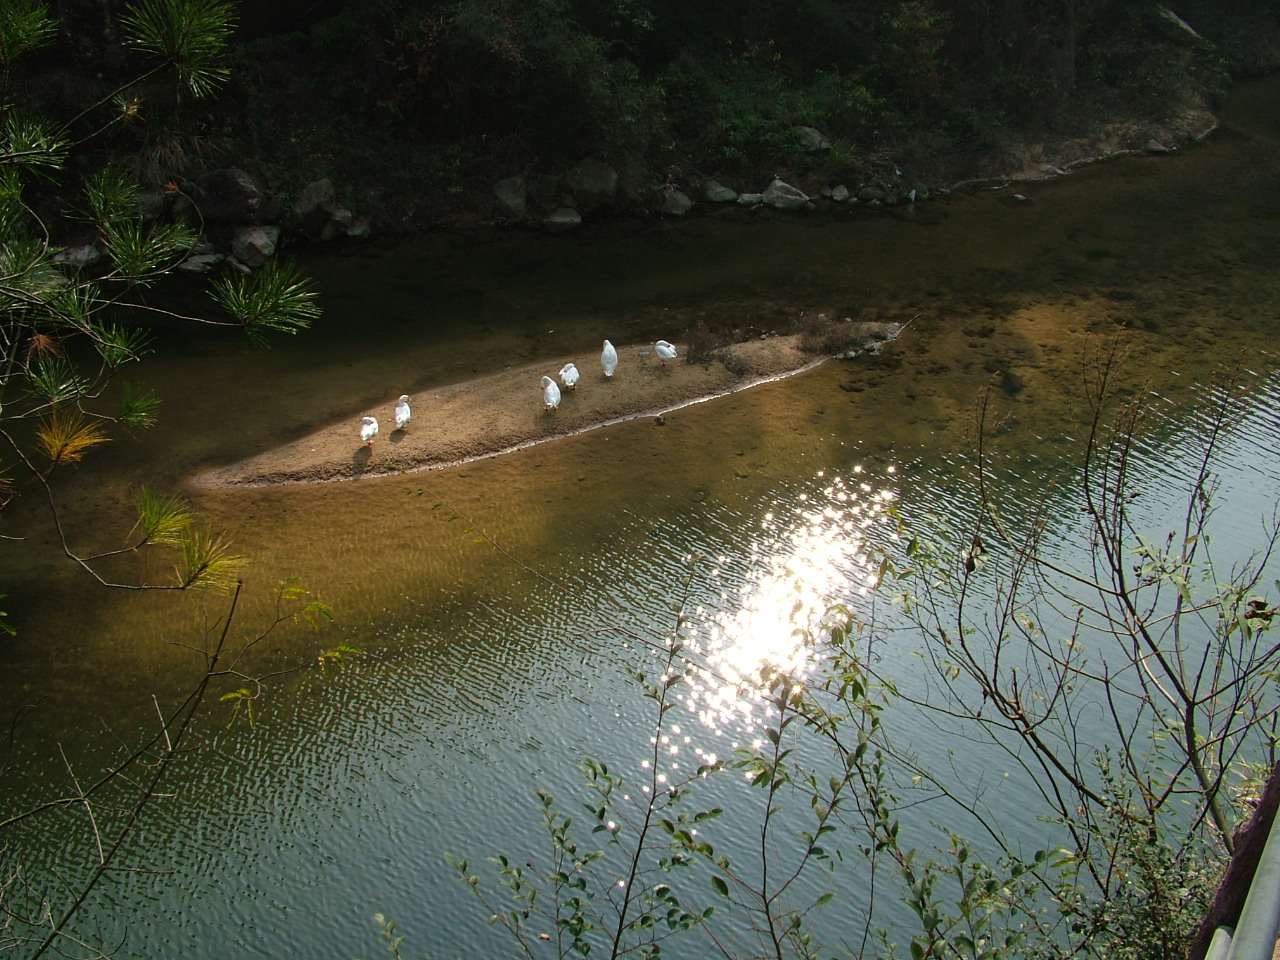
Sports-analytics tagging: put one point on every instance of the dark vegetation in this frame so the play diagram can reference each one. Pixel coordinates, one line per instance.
(414, 107)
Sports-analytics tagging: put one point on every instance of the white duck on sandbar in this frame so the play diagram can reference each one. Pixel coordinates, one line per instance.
(608, 359)
(368, 430)
(403, 413)
(550, 394)
(569, 376)
(665, 351)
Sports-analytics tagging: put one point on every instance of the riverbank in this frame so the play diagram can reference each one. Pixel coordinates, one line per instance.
(502, 412)
(250, 215)
(669, 141)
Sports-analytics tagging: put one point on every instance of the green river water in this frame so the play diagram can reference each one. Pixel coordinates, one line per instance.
(493, 601)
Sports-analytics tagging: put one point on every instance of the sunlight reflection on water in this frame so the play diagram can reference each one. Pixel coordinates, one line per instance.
(811, 560)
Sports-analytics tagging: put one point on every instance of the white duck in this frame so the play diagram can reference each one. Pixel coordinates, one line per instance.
(368, 430)
(665, 351)
(550, 393)
(569, 376)
(403, 413)
(609, 359)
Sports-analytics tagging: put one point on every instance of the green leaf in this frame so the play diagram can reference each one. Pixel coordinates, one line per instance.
(31, 143)
(35, 284)
(721, 887)
(191, 35)
(335, 655)
(67, 303)
(55, 379)
(275, 299)
(138, 407)
(141, 256)
(112, 195)
(118, 345)
(14, 217)
(162, 520)
(316, 614)
(25, 25)
(207, 561)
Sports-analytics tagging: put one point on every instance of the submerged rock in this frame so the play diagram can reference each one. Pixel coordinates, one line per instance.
(512, 197)
(201, 262)
(751, 199)
(232, 195)
(713, 191)
(313, 203)
(542, 192)
(340, 219)
(1155, 146)
(594, 184)
(85, 255)
(637, 184)
(253, 246)
(562, 219)
(360, 229)
(840, 194)
(783, 196)
(673, 202)
(318, 213)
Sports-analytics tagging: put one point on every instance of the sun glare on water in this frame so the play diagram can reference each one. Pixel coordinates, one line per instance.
(803, 566)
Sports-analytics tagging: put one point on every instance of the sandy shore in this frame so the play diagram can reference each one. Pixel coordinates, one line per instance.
(501, 412)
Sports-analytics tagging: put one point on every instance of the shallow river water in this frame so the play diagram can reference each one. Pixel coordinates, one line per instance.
(495, 602)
